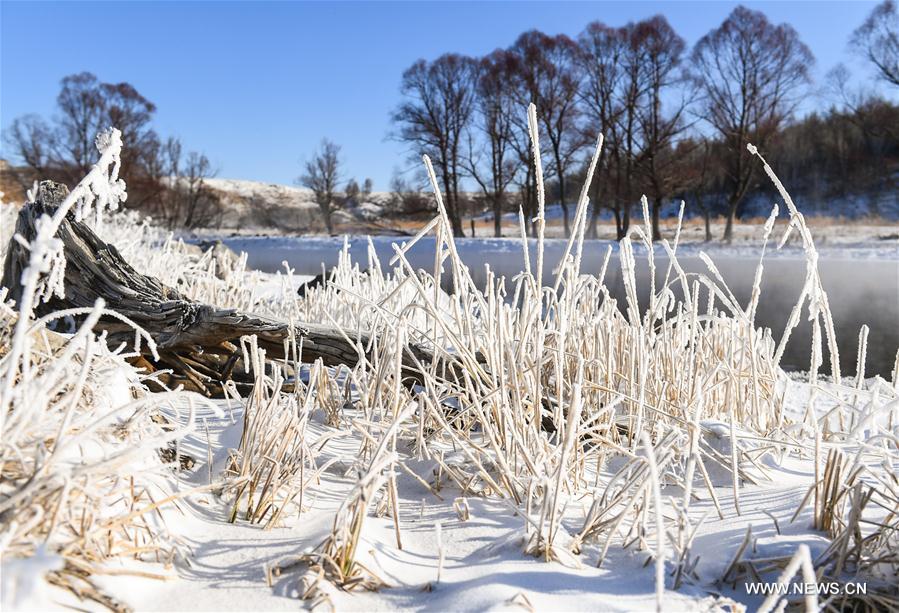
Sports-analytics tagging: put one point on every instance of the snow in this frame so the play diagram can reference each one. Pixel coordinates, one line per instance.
(254, 205)
(370, 211)
(484, 566)
(296, 196)
(22, 580)
(480, 552)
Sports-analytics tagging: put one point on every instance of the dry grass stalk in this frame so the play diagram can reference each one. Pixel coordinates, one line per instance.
(82, 479)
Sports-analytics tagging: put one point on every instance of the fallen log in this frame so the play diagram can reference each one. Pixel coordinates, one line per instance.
(199, 343)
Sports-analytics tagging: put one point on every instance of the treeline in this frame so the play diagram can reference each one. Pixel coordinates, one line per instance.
(163, 180)
(676, 121)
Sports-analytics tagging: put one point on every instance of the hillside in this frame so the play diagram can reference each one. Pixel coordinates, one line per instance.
(258, 206)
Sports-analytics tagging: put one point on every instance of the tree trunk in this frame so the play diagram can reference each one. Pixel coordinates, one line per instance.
(731, 216)
(596, 195)
(191, 207)
(656, 212)
(200, 343)
(707, 215)
(741, 178)
(619, 234)
(564, 204)
(329, 226)
(452, 205)
(625, 221)
(592, 229)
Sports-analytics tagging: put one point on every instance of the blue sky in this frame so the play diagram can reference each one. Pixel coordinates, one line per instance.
(256, 85)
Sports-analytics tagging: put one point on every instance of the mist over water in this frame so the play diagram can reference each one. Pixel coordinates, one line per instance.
(861, 288)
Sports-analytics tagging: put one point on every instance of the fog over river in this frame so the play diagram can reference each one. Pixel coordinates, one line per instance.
(862, 283)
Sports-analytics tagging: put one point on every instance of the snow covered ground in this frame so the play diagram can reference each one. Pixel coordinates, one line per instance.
(553, 451)
(477, 562)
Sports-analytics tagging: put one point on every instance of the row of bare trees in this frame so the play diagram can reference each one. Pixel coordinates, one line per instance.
(163, 180)
(676, 124)
(676, 121)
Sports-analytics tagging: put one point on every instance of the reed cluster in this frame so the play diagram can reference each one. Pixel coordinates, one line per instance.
(640, 407)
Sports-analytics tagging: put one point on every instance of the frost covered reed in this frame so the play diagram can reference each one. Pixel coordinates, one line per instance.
(566, 394)
(83, 482)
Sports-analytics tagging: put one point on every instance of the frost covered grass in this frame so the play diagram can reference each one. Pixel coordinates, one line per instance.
(587, 427)
(641, 409)
(87, 451)
(82, 480)
(566, 394)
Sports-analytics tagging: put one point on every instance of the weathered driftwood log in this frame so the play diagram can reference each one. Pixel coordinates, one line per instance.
(198, 342)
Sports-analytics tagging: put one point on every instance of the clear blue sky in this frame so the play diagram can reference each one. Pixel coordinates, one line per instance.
(256, 85)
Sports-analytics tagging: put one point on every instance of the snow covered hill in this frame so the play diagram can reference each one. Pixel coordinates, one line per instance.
(255, 205)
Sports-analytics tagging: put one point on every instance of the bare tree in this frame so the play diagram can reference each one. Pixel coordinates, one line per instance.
(406, 197)
(496, 109)
(614, 88)
(31, 139)
(80, 104)
(185, 197)
(857, 105)
(163, 168)
(629, 91)
(65, 151)
(751, 74)
(631, 95)
(601, 48)
(160, 181)
(438, 105)
(662, 74)
(700, 177)
(525, 180)
(171, 161)
(201, 204)
(126, 109)
(322, 174)
(548, 76)
(274, 210)
(877, 39)
(88, 106)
